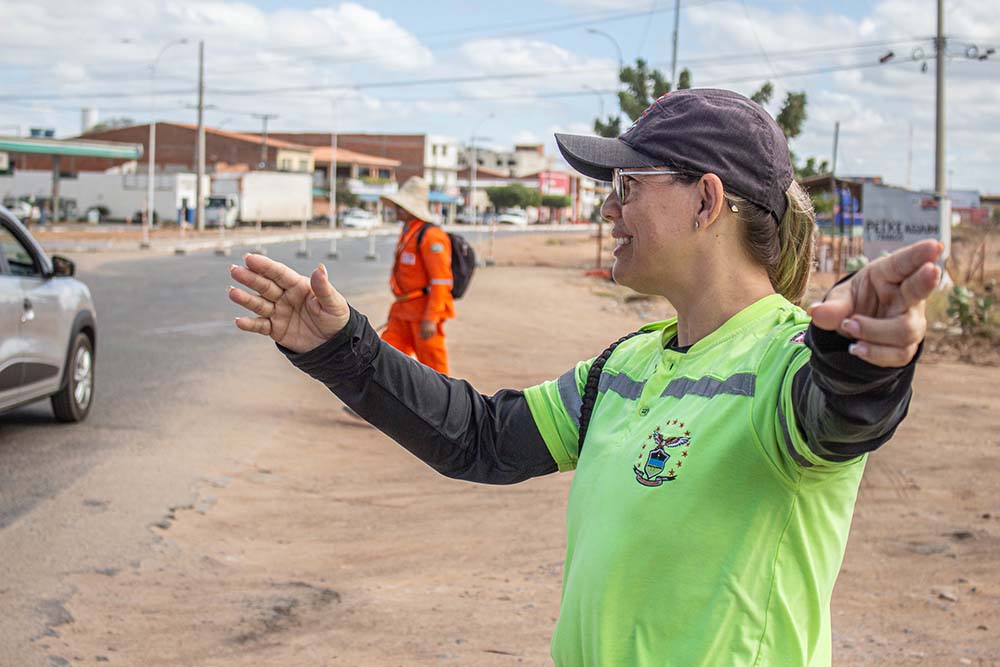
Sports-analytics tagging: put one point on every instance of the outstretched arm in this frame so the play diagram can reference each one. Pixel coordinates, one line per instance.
(442, 421)
(865, 340)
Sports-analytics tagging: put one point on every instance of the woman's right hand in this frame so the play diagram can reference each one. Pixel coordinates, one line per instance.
(297, 312)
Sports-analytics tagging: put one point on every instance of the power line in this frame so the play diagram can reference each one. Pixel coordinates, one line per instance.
(459, 97)
(555, 24)
(311, 87)
(753, 29)
(781, 54)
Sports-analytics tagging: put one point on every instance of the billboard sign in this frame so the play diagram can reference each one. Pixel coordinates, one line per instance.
(553, 183)
(896, 217)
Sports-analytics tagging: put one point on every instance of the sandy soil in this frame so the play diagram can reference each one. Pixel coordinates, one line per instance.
(336, 547)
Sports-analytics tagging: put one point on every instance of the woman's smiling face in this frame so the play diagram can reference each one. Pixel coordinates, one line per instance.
(652, 229)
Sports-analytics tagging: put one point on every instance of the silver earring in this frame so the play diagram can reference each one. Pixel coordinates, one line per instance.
(697, 224)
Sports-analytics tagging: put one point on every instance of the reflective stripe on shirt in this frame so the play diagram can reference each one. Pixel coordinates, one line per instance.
(570, 395)
(622, 385)
(740, 384)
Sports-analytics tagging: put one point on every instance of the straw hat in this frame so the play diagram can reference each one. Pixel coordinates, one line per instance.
(413, 198)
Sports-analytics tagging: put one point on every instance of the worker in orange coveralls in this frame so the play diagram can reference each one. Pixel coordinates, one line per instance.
(421, 280)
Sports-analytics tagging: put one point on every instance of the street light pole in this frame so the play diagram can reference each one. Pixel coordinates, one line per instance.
(473, 186)
(621, 59)
(940, 185)
(151, 170)
(263, 146)
(332, 253)
(199, 210)
(673, 61)
(621, 66)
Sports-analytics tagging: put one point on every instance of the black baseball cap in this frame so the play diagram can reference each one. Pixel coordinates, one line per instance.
(700, 130)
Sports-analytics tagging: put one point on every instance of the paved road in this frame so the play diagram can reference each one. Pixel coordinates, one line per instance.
(160, 318)
(75, 497)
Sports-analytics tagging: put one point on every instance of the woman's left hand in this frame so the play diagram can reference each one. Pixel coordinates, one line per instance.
(882, 306)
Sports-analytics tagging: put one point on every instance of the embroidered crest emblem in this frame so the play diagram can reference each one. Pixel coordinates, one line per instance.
(656, 464)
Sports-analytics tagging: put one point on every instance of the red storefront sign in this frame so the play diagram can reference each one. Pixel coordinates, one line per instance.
(553, 183)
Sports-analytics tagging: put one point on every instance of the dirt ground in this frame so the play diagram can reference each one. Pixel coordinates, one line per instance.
(336, 547)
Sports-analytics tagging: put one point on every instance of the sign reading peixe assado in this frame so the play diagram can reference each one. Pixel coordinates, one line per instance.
(896, 217)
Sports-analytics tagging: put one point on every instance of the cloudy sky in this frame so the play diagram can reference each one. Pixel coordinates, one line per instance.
(513, 71)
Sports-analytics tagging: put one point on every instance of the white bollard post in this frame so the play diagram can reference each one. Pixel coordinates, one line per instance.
(490, 261)
(223, 249)
(304, 244)
(372, 255)
(260, 249)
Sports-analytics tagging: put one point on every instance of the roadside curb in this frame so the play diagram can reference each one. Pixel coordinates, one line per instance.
(224, 246)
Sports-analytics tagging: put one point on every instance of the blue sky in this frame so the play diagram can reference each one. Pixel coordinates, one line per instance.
(320, 64)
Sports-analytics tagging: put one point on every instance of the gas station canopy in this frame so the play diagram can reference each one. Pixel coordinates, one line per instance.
(74, 147)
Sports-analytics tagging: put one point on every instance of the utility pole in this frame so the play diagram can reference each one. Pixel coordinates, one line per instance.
(909, 159)
(836, 140)
(838, 200)
(940, 186)
(837, 209)
(199, 196)
(332, 252)
(263, 147)
(151, 169)
(673, 62)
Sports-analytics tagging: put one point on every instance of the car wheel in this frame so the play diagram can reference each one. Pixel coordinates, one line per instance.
(73, 401)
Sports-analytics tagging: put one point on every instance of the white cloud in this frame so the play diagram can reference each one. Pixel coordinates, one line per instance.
(317, 55)
(875, 105)
(525, 137)
(550, 69)
(591, 4)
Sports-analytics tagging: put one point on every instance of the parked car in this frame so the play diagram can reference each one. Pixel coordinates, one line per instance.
(24, 210)
(465, 218)
(513, 218)
(48, 327)
(358, 218)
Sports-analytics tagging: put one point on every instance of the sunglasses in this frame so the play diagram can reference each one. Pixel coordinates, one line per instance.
(621, 180)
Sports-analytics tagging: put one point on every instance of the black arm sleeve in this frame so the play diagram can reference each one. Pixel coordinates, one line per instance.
(440, 420)
(844, 405)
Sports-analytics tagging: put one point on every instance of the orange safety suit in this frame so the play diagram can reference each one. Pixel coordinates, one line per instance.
(421, 281)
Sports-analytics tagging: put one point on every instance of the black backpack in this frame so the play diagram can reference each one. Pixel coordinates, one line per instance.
(463, 261)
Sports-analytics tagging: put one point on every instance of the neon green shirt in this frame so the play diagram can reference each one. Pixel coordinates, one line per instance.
(701, 528)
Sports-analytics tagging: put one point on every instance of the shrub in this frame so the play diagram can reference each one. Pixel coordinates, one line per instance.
(971, 311)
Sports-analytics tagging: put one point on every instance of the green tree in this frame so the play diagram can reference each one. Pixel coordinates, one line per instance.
(556, 201)
(763, 96)
(514, 195)
(642, 85)
(792, 114)
(812, 167)
(344, 195)
(555, 204)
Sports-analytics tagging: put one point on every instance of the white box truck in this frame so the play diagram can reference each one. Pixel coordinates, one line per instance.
(269, 196)
(114, 196)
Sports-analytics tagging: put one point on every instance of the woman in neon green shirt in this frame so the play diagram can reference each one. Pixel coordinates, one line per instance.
(723, 449)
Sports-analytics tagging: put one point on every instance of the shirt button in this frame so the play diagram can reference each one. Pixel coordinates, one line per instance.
(643, 412)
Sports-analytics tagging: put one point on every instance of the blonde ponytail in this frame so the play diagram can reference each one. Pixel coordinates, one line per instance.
(797, 238)
(785, 249)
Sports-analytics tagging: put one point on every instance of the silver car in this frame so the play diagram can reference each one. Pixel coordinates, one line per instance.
(48, 327)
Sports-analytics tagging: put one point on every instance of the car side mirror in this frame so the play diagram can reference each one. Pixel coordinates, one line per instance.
(62, 266)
